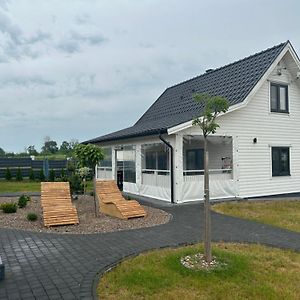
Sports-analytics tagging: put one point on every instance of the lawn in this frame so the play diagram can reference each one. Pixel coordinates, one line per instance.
(19, 186)
(26, 186)
(285, 213)
(252, 272)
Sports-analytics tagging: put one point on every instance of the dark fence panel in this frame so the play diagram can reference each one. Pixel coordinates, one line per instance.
(26, 164)
(15, 162)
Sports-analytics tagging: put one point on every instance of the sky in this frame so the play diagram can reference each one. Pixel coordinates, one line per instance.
(78, 69)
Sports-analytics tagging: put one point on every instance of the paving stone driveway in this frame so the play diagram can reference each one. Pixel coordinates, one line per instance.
(51, 266)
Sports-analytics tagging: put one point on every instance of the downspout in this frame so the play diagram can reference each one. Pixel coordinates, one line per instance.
(171, 167)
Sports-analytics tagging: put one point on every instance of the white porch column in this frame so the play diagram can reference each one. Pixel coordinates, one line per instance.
(113, 163)
(138, 165)
(235, 164)
(178, 168)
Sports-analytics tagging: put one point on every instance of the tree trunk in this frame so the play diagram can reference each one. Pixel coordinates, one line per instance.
(207, 222)
(94, 192)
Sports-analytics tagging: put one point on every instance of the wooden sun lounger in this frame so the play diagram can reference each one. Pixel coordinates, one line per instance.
(57, 204)
(112, 203)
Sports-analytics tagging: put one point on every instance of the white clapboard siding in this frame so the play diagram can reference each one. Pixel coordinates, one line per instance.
(254, 166)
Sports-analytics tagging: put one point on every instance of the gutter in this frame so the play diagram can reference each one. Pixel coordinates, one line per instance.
(171, 167)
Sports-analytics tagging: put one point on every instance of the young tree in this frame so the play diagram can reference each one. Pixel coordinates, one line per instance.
(31, 150)
(8, 175)
(52, 175)
(65, 147)
(41, 175)
(89, 156)
(84, 173)
(211, 106)
(31, 174)
(19, 176)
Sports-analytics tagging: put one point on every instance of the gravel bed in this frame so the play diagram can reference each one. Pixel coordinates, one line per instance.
(88, 223)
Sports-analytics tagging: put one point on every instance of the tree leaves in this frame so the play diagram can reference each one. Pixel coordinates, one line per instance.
(212, 106)
(88, 155)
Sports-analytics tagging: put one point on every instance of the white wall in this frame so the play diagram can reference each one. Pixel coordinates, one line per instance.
(254, 165)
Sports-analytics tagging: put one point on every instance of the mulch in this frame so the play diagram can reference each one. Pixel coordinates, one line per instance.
(88, 222)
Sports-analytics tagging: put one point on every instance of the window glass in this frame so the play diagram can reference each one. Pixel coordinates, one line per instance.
(194, 159)
(282, 94)
(150, 160)
(155, 156)
(107, 161)
(279, 98)
(280, 161)
(273, 97)
(129, 164)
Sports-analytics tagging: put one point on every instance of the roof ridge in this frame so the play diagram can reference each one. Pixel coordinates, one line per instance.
(232, 63)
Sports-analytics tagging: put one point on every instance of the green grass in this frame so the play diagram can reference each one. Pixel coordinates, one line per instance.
(52, 156)
(19, 186)
(253, 272)
(27, 186)
(285, 214)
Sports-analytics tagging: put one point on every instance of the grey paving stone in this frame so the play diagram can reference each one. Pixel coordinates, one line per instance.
(51, 266)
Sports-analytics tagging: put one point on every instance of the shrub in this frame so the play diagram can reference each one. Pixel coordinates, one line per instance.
(63, 175)
(9, 208)
(76, 185)
(41, 175)
(52, 175)
(19, 176)
(23, 201)
(31, 174)
(8, 174)
(32, 217)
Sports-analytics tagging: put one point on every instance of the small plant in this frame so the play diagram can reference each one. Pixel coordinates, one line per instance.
(19, 176)
(8, 175)
(63, 175)
(41, 175)
(52, 175)
(31, 174)
(9, 208)
(32, 217)
(75, 184)
(23, 201)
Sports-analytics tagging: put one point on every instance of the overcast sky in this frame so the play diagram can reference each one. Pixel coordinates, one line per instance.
(83, 68)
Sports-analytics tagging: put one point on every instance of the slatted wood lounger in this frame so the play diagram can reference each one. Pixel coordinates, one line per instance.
(57, 204)
(112, 203)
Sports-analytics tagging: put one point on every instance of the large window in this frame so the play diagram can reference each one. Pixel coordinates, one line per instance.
(155, 157)
(107, 161)
(280, 161)
(279, 98)
(194, 159)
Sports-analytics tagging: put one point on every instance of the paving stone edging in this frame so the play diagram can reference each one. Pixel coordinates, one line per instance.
(56, 266)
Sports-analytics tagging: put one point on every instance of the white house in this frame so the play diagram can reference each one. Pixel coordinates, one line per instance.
(255, 152)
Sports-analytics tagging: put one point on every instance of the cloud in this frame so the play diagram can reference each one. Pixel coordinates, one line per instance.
(74, 41)
(12, 31)
(83, 19)
(4, 4)
(38, 37)
(25, 81)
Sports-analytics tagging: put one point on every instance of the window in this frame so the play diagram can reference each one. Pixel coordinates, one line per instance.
(129, 164)
(280, 161)
(279, 98)
(194, 159)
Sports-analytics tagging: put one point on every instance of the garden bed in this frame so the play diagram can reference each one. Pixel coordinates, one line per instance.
(88, 223)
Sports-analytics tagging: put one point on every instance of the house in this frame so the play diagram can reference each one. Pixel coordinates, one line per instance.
(255, 152)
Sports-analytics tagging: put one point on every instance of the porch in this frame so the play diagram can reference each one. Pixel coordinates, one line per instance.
(145, 168)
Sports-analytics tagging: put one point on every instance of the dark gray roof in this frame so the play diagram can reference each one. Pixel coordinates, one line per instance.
(176, 104)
